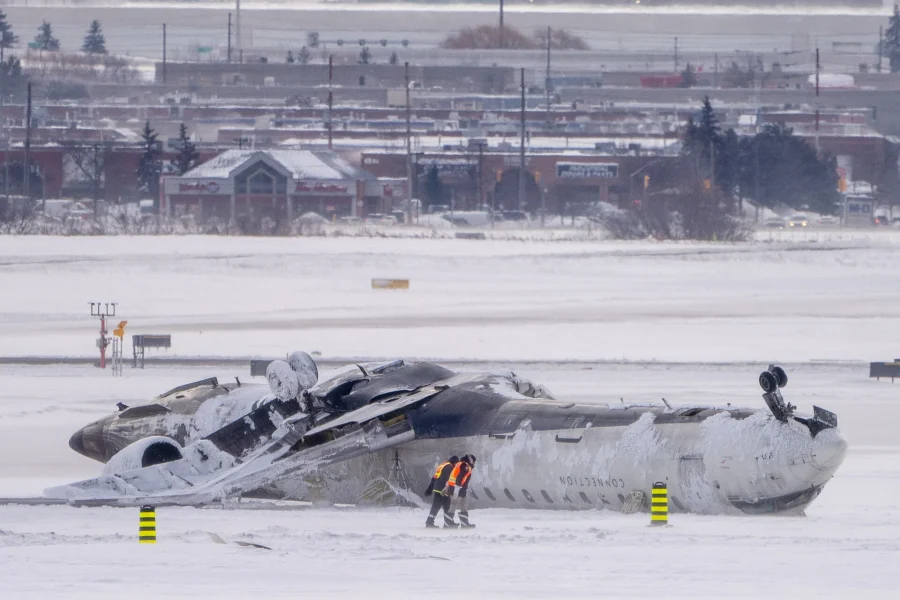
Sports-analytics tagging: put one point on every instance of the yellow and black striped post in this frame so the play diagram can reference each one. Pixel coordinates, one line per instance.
(659, 505)
(147, 526)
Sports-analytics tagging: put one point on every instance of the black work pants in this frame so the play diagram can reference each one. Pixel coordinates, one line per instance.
(440, 502)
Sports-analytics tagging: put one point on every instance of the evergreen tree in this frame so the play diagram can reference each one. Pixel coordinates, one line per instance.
(702, 139)
(365, 56)
(94, 41)
(780, 168)
(7, 38)
(44, 39)
(303, 56)
(187, 156)
(149, 165)
(892, 40)
(393, 59)
(434, 187)
(290, 57)
(688, 76)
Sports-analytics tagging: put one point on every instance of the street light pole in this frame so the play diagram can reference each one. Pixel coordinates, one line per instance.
(501, 23)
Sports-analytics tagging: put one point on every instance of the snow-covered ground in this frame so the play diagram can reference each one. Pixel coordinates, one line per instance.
(694, 323)
(468, 299)
(845, 547)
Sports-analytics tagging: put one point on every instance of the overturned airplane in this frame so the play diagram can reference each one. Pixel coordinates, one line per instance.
(392, 423)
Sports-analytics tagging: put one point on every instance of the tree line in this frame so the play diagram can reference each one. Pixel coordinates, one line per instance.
(45, 40)
(774, 167)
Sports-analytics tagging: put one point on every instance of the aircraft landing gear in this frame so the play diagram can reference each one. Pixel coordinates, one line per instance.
(771, 381)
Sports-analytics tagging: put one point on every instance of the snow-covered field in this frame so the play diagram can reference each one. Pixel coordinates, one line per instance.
(467, 299)
(694, 323)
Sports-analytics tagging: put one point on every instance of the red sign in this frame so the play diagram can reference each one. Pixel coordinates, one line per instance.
(306, 187)
(199, 187)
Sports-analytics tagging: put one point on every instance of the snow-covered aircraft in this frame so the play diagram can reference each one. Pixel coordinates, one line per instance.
(381, 429)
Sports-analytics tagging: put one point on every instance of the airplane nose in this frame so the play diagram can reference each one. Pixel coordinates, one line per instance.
(89, 441)
(76, 442)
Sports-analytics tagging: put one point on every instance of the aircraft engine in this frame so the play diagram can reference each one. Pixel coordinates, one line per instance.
(153, 450)
(283, 381)
(305, 368)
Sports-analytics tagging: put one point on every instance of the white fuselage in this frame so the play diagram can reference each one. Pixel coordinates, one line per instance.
(707, 465)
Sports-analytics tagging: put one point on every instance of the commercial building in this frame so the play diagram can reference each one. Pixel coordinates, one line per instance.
(277, 184)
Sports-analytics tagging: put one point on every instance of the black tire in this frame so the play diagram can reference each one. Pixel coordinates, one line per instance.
(780, 376)
(768, 382)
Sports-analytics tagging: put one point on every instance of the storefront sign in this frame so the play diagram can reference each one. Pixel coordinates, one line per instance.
(198, 187)
(447, 167)
(566, 170)
(322, 188)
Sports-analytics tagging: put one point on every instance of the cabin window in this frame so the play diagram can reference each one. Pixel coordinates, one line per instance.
(584, 497)
(527, 496)
(489, 494)
(546, 496)
(567, 499)
(509, 494)
(621, 498)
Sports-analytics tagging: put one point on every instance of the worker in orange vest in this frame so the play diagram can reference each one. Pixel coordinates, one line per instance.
(441, 500)
(459, 486)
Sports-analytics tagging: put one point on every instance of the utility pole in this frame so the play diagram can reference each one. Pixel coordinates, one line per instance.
(547, 79)
(26, 173)
(817, 101)
(481, 175)
(409, 190)
(522, 145)
(330, 98)
(880, 46)
(501, 23)
(716, 72)
(237, 30)
(164, 55)
(676, 54)
(5, 149)
(229, 37)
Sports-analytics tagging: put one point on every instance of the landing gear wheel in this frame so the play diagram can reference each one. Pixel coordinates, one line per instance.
(780, 376)
(768, 382)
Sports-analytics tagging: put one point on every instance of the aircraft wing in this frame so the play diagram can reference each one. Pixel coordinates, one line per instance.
(206, 475)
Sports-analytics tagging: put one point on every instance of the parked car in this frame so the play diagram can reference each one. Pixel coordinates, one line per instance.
(882, 220)
(828, 220)
(799, 221)
(774, 224)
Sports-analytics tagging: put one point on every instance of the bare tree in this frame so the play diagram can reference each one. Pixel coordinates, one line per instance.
(87, 163)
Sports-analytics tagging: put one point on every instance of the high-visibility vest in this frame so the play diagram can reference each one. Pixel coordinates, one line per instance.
(440, 469)
(455, 474)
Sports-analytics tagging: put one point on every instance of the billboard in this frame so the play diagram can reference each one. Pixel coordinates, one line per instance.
(566, 170)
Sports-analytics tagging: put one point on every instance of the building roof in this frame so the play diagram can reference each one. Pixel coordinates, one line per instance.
(298, 164)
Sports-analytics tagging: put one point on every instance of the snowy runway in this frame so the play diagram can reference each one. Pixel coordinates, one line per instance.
(712, 316)
(844, 547)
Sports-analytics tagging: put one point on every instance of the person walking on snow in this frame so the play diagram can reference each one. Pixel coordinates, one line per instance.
(459, 484)
(440, 500)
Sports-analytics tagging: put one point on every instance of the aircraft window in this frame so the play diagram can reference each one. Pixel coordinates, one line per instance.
(567, 499)
(489, 494)
(676, 502)
(621, 498)
(546, 496)
(474, 495)
(584, 497)
(527, 496)
(509, 494)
